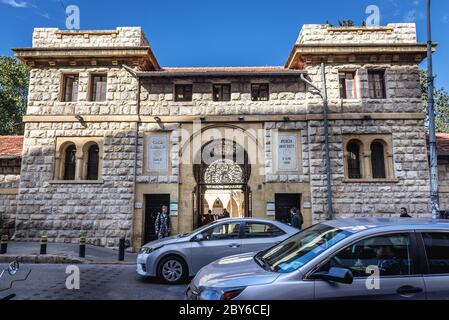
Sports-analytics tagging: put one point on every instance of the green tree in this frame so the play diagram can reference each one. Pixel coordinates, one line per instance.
(346, 23)
(14, 80)
(441, 105)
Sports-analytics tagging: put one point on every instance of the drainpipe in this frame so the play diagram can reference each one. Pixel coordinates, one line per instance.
(323, 93)
(136, 144)
(434, 196)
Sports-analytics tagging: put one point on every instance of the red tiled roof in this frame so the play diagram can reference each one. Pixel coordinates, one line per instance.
(443, 143)
(11, 146)
(226, 69)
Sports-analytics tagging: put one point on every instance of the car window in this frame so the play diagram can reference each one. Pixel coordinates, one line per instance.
(262, 230)
(296, 251)
(437, 250)
(222, 232)
(390, 253)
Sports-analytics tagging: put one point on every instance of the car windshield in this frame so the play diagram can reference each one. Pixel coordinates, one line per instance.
(296, 251)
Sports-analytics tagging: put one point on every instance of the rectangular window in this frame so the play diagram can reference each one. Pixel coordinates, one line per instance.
(376, 81)
(262, 230)
(70, 88)
(437, 250)
(260, 92)
(222, 92)
(347, 85)
(99, 87)
(183, 92)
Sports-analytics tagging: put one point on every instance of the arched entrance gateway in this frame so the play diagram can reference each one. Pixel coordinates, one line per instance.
(222, 181)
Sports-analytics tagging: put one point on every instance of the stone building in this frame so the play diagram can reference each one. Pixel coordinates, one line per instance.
(111, 136)
(10, 163)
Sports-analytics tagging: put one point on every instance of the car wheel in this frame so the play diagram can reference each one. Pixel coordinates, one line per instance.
(172, 270)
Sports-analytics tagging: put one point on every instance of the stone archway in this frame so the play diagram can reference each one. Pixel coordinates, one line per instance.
(223, 175)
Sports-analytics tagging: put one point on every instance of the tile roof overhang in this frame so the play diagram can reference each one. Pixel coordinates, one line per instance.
(11, 147)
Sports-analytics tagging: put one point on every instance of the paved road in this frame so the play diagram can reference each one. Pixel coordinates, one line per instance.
(97, 282)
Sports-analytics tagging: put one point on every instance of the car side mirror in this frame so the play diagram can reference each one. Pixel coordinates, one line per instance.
(339, 275)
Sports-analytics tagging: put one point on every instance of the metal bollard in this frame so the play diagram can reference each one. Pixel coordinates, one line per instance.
(82, 247)
(121, 250)
(44, 241)
(4, 244)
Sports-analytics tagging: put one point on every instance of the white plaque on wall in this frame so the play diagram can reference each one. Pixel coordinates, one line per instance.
(287, 151)
(158, 153)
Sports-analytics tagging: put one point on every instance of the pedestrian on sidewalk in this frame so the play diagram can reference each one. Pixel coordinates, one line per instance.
(404, 213)
(297, 218)
(163, 223)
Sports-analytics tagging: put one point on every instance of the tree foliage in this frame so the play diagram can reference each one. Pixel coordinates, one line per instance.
(441, 105)
(14, 80)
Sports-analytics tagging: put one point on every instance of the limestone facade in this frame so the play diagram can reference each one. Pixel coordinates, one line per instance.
(141, 103)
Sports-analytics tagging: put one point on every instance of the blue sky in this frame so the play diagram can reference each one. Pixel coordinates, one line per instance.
(219, 33)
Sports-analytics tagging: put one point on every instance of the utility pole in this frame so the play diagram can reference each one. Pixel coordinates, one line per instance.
(323, 93)
(434, 197)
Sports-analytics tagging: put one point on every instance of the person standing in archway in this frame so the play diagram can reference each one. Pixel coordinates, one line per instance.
(297, 218)
(225, 214)
(163, 223)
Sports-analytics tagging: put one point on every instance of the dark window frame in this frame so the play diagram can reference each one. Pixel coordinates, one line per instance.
(187, 94)
(378, 167)
(64, 93)
(219, 94)
(354, 165)
(342, 79)
(377, 90)
(93, 88)
(260, 91)
(93, 164)
(70, 163)
(245, 233)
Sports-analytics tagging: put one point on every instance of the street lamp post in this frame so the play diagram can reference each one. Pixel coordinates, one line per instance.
(434, 198)
(323, 93)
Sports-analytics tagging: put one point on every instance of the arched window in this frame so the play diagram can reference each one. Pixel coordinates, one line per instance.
(378, 160)
(93, 162)
(354, 168)
(70, 163)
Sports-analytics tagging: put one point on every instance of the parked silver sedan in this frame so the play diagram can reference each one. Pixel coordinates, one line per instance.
(175, 258)
(342, 259)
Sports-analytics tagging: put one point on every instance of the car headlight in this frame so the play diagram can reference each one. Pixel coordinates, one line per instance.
(219, 293)
(147, 250)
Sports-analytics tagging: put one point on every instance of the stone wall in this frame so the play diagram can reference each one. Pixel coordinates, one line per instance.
(46, 88)
(410, 166)
(121, 37)
(66, 211)
(443, 180)
(9, 185)
(393, 33)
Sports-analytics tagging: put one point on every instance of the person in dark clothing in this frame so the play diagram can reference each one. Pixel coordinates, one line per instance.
(297, 219)
(225, 214)
(404, 213)
(163, 224)
(208, 218)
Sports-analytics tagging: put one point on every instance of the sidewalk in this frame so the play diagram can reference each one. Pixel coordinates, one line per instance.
(62, 253)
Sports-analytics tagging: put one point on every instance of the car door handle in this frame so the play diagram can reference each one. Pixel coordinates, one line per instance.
(234, 246)
(405, 290)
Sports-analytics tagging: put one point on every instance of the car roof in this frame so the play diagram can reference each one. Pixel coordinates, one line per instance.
(360, 224)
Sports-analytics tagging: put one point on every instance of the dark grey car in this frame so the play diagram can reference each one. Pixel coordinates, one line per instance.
(341, 259)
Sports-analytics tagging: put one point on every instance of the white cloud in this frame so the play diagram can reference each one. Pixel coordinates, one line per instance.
(16, 3)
